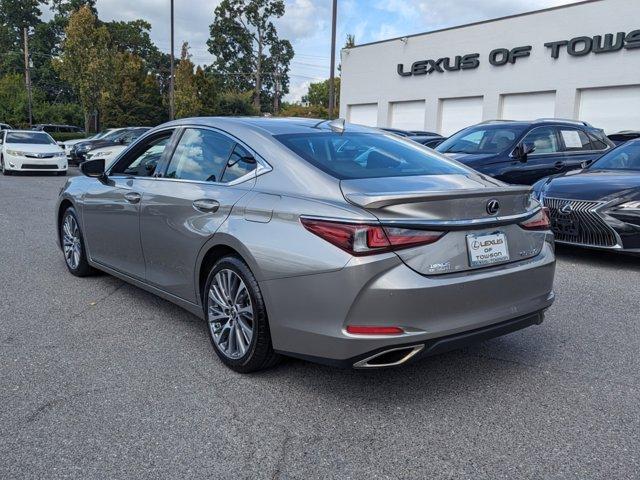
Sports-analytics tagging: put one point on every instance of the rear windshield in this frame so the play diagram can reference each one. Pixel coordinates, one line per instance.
(625, 157)
(367, 155)
(32, 138)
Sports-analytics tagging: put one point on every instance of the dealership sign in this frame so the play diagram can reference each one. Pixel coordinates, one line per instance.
(575, 47)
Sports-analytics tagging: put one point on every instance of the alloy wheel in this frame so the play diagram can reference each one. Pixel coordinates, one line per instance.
(230, 314)
(71, 243)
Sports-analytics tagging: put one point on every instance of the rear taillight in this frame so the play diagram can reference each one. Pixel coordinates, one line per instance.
(365, 239)
(538, 222)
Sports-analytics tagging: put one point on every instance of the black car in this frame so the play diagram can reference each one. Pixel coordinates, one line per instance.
(428, 141)
(54, 128)
(118, 136)
(524, 152)
(410, 133)
(598, 206)
(624, 136)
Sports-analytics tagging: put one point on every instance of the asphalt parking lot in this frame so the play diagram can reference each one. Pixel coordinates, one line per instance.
(100, 379)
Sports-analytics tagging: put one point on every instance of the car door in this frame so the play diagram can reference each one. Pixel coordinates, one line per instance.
(111, 209)
(578, 147)
(546, 159)
(203, 180)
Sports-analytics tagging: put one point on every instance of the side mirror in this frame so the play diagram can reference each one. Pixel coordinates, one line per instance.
(523, 150)
(585, 164)
(93, 168)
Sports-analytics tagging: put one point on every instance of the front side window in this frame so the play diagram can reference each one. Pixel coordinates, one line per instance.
(145, 161)
(489, 139)
(544, 139)
(200, 155)
(30, 138)
(366, 155)
(625, 157)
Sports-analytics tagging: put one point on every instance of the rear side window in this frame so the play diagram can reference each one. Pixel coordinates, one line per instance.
(200, 155)
(240, 163)
(598, 140)
(575, 140)
(367, 155)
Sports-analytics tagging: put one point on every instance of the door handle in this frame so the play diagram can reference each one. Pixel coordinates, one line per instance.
(206, 205)
(132, 197)
(558, 165)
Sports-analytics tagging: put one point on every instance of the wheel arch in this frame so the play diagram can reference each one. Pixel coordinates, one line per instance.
(64, 205)
(221, 245)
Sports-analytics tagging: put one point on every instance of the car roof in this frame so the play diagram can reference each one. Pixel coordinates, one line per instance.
(539, 121)
(272, 126)
(25, 131)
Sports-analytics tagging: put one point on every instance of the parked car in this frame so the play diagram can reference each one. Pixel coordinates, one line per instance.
(525, 152)
(624, 136)
(108, 154)
(598, 206)
(5, 126)
(311, 239)
(29, 151)
(117, 136)
(68, 144)
(54, 128)
(410, 133)
(428, 141)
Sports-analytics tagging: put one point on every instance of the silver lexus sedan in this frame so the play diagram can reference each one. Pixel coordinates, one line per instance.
(329, 242)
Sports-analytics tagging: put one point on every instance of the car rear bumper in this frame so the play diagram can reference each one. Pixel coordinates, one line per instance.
(308, 315)
(410, 352)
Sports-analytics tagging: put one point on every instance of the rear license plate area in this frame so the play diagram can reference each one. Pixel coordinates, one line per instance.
(487, 249)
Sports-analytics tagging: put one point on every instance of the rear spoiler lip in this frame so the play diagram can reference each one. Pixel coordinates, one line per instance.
(380, 200)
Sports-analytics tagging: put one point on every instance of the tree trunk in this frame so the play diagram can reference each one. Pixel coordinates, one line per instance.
(256, 95)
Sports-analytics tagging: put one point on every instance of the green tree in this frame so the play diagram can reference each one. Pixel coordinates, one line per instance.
(85, 62)
(242, 34)
(318, 93)
(187, 99)
(65, 8)
(133, 97)
(208, 88)
(277, 77)
(234, 104)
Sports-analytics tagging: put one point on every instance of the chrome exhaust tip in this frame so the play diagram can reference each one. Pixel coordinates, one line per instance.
(390, 358)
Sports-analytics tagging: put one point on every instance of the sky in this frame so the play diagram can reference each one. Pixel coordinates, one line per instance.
(307, 24)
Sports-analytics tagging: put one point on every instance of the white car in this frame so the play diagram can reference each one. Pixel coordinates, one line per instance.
(109, 154)
(30, 151)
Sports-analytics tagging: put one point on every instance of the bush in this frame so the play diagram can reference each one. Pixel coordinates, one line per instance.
(312, 111)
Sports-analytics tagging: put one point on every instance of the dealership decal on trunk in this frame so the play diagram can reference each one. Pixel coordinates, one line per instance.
(575, 47)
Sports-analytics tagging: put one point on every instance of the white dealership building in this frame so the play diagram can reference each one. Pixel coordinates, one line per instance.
(580, 61)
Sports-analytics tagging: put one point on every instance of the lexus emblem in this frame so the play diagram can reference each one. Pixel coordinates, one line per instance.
(493, 207)
(566, 209)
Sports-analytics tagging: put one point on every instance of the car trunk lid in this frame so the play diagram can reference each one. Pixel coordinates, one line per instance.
(458, 205)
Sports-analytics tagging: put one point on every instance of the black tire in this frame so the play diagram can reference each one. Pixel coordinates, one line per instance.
(83, 269)
(260, 354)
(4, 171)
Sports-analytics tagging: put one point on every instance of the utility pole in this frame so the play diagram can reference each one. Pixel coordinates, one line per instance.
(172, 85)
(332, 86)
(27, 73)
